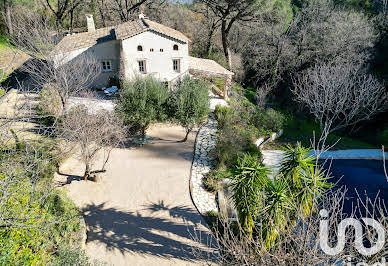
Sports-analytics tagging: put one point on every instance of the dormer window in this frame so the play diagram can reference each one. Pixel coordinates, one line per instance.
(152, 49)
(140, 48)
(161, 50)
(176, 48)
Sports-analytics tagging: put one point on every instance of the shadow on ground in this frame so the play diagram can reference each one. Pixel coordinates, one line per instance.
(157, 236)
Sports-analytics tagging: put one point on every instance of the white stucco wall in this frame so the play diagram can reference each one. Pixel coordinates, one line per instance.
(158, 63)
(104, 51)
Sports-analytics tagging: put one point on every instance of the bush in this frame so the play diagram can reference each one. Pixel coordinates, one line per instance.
(236, 133)
(141, 102)
(268, 120)
(233, 142)
(211, 180)
(222, 114)
(2, 92)
(48, 220)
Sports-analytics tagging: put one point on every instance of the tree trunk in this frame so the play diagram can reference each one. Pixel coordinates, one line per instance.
(71, 21)
(225, 44)
(87, 172)
(188, 130)
(143, 133)
(209, 46)
(100, 9)
(8, 20)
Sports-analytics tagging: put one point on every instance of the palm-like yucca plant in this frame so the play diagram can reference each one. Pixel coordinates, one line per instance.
(250, 177)
(305, 178)
(277, 208)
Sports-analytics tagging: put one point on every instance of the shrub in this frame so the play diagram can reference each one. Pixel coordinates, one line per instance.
(268, 120)
(190, 102)
(211, 180)
(222, 114)
(233, 142)
(2, 92)
(141, 102)
(236, 134)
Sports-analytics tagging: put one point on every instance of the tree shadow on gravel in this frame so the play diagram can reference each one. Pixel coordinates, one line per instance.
(147, 234)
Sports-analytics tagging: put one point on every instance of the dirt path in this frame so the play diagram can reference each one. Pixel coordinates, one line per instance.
(141, 212)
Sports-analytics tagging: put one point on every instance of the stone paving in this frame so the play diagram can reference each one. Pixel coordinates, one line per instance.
(273, 158)
(202, 164)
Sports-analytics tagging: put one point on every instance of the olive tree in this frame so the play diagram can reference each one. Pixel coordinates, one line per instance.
(190, 103)
(141, 102)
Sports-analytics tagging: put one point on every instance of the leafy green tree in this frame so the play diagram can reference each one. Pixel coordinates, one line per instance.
(191, 103)
(141, 102)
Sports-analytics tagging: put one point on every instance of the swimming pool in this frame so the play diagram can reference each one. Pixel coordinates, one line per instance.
(365, 176)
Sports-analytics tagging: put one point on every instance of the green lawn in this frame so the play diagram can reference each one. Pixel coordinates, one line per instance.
(302, 130)
(9, 55)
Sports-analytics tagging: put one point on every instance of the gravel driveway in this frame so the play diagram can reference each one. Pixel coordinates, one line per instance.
(141, 212)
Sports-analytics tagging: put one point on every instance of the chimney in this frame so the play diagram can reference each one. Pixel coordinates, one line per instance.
(141, 10)
(90, 23)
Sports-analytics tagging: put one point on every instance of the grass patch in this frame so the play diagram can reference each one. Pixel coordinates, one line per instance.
(302, 130)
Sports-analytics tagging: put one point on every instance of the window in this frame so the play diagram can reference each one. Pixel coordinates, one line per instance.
(176, 48)
(140, 48)
(161, 49)
(106, 66)
(152, 49)
(176, 65)
(142, 66)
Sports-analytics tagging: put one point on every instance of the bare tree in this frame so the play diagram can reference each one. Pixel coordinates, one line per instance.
(92, 133)
(68, 79)
(339, 95)
(324, 32)
(262, 94)
(125, 8)
(68, 76)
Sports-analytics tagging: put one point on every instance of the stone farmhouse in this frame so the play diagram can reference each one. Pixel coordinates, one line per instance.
(139, 47)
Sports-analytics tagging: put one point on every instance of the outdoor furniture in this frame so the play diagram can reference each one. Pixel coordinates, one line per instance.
(111, 91)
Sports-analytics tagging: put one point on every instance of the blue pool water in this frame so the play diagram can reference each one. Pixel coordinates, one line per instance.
(365, 176)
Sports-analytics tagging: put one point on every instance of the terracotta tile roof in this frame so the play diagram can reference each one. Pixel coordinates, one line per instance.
(130, 29)
(166, 31)
(85, 39)
(119, 32)
(207, 65)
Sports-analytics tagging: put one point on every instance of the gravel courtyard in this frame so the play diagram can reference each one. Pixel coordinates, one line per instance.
(141, 212)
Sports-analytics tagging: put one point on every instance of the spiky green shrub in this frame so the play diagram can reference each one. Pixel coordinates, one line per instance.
(250, 177)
